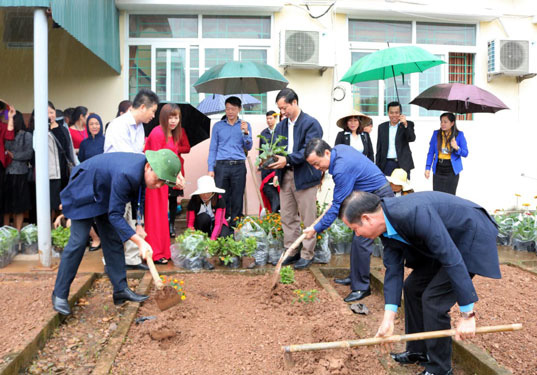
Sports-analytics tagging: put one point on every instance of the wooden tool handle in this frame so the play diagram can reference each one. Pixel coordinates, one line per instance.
(394, 338)
(154, 273)
(254, 177)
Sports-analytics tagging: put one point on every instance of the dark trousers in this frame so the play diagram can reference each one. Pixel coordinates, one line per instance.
(172, 203)
(114, 255)
(445, 179)
(205, 223)
(428, 298)
(232, 178)
(361, 251)
(273, 196)
(390, 165)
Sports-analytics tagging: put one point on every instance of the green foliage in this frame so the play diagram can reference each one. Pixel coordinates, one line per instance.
(269, 149)
(193, 243)
(60, 237)
(306, 296)
(287, 275)
(29, 234)
(339, 232)
(227, 248)
(524, 230)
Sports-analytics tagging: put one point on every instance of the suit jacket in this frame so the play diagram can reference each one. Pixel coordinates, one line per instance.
(402, 139)
(266, 133)
(104, 184)
(344, 137)
(440, 227)
(456, 162)
(305, 129)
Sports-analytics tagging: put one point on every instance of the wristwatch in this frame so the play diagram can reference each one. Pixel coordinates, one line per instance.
(468, 315)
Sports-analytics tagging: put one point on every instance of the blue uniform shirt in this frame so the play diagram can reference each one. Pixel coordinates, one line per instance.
(228, 142)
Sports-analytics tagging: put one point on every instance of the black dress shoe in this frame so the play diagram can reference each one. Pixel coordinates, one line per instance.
(291, 259)
(425, 372)
(357, 295)
(139, 267)
(95, 248)
(61, 305)
(345, 281)
(407, 358)
(128, 295)
(303, 263)
(172, 230)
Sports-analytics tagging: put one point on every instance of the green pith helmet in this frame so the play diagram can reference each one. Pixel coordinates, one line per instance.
(165, 163)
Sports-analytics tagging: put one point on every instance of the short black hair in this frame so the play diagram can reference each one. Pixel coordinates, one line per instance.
(395, 104)
(288, 95)
(270, 113)
(357, 204)
(234, 101)
(146, 97)
(318, 146)
(18, 122)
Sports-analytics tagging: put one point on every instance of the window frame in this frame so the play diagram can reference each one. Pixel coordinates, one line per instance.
(435, 49)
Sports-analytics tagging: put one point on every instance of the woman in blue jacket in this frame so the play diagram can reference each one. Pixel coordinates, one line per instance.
(446, 148)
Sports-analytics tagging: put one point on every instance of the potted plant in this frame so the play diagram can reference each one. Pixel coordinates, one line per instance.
(5, 247)
(269, 150)
(60, 237)
(248, 246)
(213, 252)
(190, 250)
(524, 234)
(29, 239)
(340, 237)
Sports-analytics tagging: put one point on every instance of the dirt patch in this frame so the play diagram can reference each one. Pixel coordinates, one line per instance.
(25, 308)
(76, 345)
(228, 325)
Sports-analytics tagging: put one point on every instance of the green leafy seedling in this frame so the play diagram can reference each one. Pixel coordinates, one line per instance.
(287, 275)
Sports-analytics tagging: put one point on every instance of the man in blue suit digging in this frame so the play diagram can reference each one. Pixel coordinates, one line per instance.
(100, 188)
(445, 240)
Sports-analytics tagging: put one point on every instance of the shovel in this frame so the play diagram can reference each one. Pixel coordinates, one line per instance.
(293, 246)
(166, 296)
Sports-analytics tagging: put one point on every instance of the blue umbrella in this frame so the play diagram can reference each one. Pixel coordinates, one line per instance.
(215, 103)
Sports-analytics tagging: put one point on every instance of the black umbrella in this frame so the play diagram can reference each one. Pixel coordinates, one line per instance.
(196, 124)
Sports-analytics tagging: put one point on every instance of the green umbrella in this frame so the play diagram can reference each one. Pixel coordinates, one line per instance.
(391, 62)
(247, 77)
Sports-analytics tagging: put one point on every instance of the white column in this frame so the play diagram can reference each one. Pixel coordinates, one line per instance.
(41, 135)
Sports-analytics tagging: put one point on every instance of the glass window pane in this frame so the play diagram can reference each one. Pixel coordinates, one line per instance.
(194, 74)
(380, 31)
(445, 33)
(236, 27)
(178, 83)
(162, 26)
(365, 94)
(215, 56)
(390, 93)
(461, 70)
(139, 69)
(428, 78)
(257, 55)
(160, 73)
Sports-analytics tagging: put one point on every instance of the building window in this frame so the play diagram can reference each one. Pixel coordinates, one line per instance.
(461, 70)
(380, 31)
(238, 27)
(428, 78)
(139, 69)
(445, 33)
(365, 94)
(161, 26)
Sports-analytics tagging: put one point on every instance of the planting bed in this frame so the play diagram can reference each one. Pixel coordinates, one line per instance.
(229, 325)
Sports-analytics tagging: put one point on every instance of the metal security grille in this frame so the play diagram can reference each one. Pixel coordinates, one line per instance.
(302, 47)
(514, 55)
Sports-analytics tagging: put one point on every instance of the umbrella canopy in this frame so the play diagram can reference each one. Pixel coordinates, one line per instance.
(391, 62)
(459, 98)
(246, 77)
(215, 103)
(195, 123)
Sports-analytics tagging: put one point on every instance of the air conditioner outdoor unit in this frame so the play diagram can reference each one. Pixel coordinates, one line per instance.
(512, 57)
(306, 49)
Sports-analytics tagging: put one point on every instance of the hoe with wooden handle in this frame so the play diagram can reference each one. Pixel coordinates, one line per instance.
(293, 246)
(387, 340)
(166, 296)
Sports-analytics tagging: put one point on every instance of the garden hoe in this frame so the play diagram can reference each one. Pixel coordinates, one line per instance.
(287, 350)
(166, 296)
(294, 245)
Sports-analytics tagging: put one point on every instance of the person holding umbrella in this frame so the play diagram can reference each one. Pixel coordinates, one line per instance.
(231, 139)
(446, 148)
(354, 134)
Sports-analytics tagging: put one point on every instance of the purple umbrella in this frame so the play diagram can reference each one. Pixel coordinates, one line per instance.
(459, 98)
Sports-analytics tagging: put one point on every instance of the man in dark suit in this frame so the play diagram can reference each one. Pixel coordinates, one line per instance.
(393, 138)
(298, 179)
(267, 176)
(446, 240)
(100, 188)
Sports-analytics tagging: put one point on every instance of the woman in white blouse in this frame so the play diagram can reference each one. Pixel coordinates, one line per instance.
(353, 133)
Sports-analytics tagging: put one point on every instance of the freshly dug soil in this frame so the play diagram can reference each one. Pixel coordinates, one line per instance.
(228, 324)
(25, 309)
(75, 346)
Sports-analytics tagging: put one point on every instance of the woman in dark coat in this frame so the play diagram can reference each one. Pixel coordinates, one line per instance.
(353, 133)
(94, 144)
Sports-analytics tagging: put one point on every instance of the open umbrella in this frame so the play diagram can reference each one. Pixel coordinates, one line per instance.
(391, 62)
(196, 124)
(215, 103)
(458, 98)
(245, 77)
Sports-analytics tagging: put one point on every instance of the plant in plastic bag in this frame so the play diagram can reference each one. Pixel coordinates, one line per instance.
(322, 249)
(230, 250)
(287, 275)
(29, 234)
(190, 249)
(340, 237)
(60, 237)
(269, 150)
(249, 227)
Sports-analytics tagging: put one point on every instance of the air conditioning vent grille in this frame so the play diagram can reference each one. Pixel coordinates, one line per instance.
(302, 47)
(514, 55)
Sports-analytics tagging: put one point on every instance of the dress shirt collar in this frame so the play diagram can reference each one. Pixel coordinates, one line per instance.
(391, 232)
(292, 123)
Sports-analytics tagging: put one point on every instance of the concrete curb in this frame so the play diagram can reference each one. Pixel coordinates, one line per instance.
(23, 358)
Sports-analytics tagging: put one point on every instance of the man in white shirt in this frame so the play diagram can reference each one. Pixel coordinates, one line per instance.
(126, 134)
